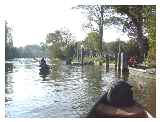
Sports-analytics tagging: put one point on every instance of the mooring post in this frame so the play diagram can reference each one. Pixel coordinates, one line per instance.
(82, 56)
(125, 63)
(125, 70)
(122, 62)
(119, 62)
(116, 55)
(107, 63)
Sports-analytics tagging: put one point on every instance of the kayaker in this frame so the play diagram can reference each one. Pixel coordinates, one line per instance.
(118, 102)
(43, 62)
(120, 94)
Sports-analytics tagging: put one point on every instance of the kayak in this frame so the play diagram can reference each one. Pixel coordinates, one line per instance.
(107, 111)
(44, 69)
(104, 110)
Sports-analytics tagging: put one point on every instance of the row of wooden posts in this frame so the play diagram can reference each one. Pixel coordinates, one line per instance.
(121, 63)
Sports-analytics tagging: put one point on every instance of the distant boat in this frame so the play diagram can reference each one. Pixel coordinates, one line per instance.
(76, 63)
(80, 63)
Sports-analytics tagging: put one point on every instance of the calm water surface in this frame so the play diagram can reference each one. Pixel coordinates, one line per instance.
(68, 91)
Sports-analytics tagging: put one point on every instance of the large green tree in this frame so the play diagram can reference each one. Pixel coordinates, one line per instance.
(92, 42)
(98, 16)
(59, 43)
(133, 19)
(134, 25)
(113, 48)
(140, 22)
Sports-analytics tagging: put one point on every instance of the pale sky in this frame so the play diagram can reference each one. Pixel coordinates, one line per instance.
(31, 20)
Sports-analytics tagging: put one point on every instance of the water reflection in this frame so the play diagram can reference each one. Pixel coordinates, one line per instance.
(44, 74)
(67, 91)
(44, 77)
(94, 79)
(125, 76)
(8, 90)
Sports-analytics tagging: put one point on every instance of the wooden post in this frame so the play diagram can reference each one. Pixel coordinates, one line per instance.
(119, 62)
(82, 55)
(107, 63)
(122, 62)
(125, 70)
(125, 63)
(116, 55)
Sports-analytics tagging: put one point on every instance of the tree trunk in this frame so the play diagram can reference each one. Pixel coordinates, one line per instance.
(140, 38)
(138, 22)
(101, 28)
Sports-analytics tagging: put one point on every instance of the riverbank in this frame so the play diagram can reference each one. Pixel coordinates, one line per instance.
(138, 70)
(145, 72)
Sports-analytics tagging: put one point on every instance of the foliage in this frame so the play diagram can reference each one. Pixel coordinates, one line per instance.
(62, 36)
(29, 51)
(69, 51)
(140, 22)
(97, 17)
(95, 60)
(9, 50)
(132, 48)
(56, 52)
(92, 42)
(53, 38)
(60, 44)
(8, 35)
(115, 47)
(43, 46)
(134, 18)
(150, 22)
(134, 26)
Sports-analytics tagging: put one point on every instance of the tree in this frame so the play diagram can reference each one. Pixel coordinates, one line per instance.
(63, 36)
(116, 46)
(9, 53)
(135, 25)
(55, 37)
(150, 22)
(54, 43)
(59, 42)
(56, 51)
(8, 35)
(29, 51)
(97, 16)
(67, 36)
(113, 48)
(92, 42)
(69, 51)
(132, 48)
(131, 19)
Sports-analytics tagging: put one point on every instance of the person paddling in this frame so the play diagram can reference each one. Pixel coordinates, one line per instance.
(42, 62)
(44, 68)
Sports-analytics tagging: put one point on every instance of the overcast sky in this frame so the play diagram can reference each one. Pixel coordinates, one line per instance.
(31, 20)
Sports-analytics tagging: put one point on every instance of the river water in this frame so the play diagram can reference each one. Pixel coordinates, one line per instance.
(68, 91)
